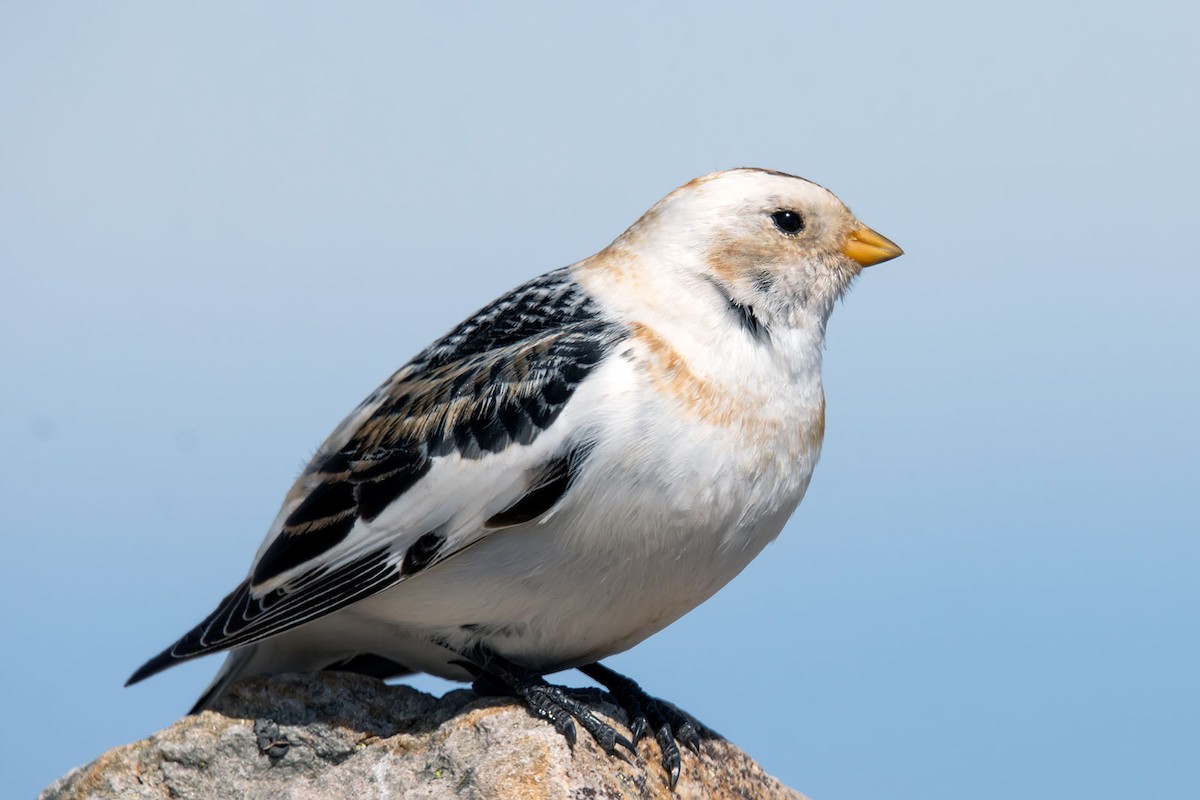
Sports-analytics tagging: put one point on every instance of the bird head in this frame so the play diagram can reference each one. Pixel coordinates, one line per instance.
(782, 245)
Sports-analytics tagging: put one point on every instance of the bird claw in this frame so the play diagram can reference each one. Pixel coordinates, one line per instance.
(566, 726)
(638, 728)
(565, 707)
(689, 736)
(671, 727)
(558, 706)
(672, 761)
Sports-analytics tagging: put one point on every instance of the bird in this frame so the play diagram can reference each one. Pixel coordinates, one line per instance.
(569, 470)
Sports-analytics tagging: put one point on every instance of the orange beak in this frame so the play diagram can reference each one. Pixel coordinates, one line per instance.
(867, 247)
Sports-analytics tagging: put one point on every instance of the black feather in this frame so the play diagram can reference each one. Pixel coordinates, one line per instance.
(421, 553)
(374, 496)
(289, 550)
(516, 364)
(749, 321)
(554, 479)
(243, 619)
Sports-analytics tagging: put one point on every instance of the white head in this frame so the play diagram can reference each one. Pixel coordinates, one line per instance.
(777, 244)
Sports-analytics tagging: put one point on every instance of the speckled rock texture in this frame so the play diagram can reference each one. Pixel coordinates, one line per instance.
(330, 736)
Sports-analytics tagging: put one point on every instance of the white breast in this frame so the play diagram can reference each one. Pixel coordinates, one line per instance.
(693, 472)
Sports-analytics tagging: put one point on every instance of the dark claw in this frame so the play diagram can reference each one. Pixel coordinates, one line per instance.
(555, 704)
(566, 726)
(671, 759)
(639, 728)
(605, 735)
(689, 736)
(609, 739)
(495, 674)
(670, 726)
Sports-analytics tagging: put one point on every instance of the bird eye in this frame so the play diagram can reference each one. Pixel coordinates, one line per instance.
(788, 221)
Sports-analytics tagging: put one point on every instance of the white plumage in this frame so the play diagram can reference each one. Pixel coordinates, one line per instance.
(572, 469)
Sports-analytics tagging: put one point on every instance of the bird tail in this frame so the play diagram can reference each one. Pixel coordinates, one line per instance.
(309, 650)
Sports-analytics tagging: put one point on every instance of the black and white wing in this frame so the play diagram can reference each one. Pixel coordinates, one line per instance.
(459, 442)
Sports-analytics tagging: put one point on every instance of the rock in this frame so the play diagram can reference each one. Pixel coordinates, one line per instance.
(336, 735)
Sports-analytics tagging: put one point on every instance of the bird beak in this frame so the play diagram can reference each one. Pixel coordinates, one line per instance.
(867, 247)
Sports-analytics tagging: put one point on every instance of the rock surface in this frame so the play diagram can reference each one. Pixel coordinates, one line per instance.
(328, 736)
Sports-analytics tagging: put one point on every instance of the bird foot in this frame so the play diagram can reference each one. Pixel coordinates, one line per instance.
(670, 726)
(560, 706)
(563, 708)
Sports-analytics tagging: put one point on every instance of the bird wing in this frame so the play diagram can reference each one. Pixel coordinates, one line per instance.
(460, 442)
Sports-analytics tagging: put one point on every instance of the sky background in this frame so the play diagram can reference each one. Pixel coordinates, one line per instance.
(222, 225)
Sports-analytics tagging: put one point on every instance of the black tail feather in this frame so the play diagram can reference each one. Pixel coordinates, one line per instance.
(164, 660)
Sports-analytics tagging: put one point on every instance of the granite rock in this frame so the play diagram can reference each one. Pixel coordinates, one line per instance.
(331, 735)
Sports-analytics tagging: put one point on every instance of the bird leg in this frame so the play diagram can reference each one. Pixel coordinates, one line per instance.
(496, 675)
(648, 713)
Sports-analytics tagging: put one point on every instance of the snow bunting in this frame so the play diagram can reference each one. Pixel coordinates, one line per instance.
(568, 471)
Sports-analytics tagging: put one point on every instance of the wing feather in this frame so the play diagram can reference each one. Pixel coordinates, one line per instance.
(451, 442)
(243, 618)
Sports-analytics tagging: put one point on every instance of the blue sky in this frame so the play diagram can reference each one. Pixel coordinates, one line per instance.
(221, 226)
